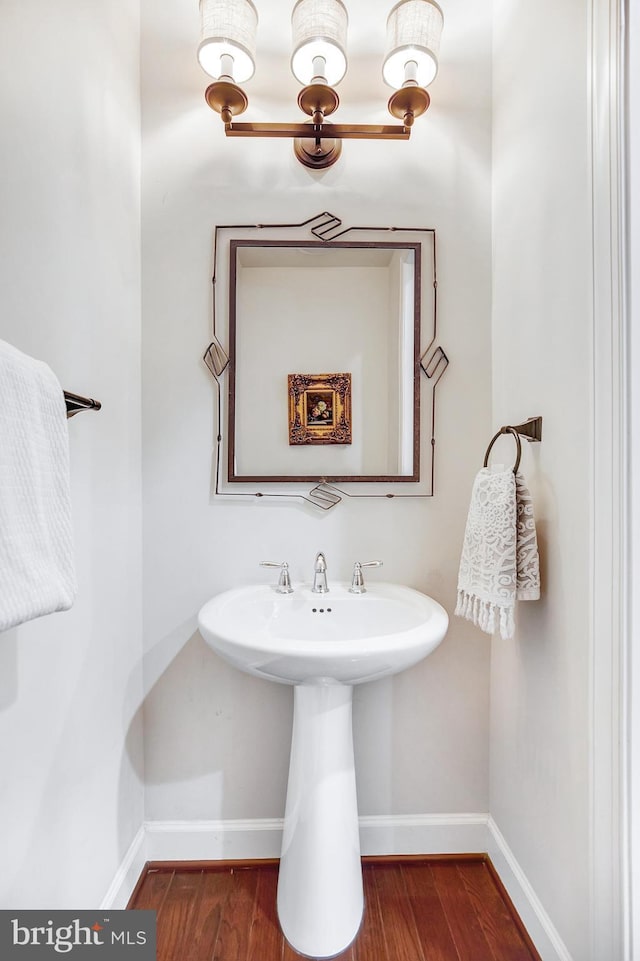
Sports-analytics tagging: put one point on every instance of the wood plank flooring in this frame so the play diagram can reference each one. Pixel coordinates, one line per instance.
(416, 909)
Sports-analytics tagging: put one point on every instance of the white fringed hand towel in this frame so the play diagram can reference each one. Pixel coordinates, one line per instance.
(499, 562)
(37, 573)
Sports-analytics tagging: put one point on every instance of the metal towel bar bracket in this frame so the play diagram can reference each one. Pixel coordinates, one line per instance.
(75, 403)
(531, 429)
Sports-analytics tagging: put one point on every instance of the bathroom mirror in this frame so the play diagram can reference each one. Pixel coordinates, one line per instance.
(321, 347)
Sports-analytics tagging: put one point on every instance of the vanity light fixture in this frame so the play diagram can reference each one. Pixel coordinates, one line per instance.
(319, 62)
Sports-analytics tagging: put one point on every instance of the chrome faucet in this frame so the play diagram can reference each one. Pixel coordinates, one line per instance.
(284, 581)
(320, 575)
(357, 582)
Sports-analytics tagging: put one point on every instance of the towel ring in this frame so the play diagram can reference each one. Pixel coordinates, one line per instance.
(505, 430)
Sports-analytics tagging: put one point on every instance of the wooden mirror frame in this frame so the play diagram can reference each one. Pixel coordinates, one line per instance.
(411, 476)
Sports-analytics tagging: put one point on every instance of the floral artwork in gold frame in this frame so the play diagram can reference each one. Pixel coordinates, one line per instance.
(319, 409)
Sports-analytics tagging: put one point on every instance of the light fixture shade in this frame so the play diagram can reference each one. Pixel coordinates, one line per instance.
(228, 28)
(319, 30)
(414, 28)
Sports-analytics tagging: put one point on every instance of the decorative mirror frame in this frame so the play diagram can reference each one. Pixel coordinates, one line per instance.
(433, 361)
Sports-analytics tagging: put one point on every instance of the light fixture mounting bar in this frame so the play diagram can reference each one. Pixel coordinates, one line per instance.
(307, 131)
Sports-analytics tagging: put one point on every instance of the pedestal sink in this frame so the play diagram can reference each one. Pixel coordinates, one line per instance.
(323, 644)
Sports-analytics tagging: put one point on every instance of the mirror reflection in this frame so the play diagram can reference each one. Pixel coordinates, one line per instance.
(324, 344)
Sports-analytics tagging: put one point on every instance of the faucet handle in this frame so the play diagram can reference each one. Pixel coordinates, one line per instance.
(357, 581)
(284, 581)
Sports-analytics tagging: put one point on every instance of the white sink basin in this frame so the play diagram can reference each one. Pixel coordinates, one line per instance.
(322, 644)
(301, 637)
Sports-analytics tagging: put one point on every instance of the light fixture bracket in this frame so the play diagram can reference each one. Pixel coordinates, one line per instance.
(318, 101)
(317, 152)
(227, 99)
(408, 103)
(341, 131)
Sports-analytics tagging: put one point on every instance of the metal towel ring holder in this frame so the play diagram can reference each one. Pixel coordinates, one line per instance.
(505, 430)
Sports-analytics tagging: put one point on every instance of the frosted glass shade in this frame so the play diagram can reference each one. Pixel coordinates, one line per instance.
(414, 28)
(319, 30)
(228, 29)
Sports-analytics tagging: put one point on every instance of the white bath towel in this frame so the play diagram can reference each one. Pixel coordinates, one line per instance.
(37, 573)
(500, 562)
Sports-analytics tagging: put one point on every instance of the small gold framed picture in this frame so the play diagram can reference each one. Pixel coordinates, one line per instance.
(319, 409)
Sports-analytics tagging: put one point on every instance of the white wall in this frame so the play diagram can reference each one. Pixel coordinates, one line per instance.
(541, 365)
(217, 742)
(633, 706)
(70, 740)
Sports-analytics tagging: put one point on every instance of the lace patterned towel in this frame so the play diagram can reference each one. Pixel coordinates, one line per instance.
(499, 562)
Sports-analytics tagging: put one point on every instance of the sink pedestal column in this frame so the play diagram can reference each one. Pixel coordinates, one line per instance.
(320, 899)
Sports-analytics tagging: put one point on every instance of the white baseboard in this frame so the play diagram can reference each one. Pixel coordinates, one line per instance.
(541, 929)
(213, 840)
(424, 834)
(384, 834)
(127, 875)
(262, 838)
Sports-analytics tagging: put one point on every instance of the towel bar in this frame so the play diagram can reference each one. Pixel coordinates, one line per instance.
(76, 403)
(531, 429)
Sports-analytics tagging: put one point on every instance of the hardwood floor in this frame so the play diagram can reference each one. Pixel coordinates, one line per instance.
(416, 909)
